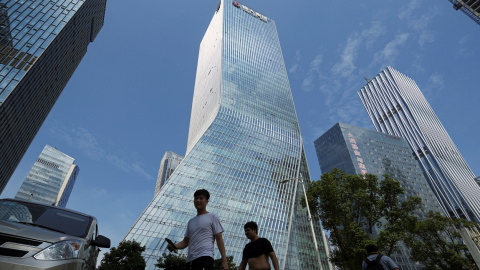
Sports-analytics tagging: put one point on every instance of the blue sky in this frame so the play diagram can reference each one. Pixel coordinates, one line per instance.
(129, 100)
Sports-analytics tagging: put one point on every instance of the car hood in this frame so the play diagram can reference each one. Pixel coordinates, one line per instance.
(32, 232)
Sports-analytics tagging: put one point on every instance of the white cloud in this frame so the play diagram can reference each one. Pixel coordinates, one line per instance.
(437, 81)
(312, 73)
(346, 66)
(390, 52)
(407, 12)
(296, 65)
(87, 144)
(462, 48)
(425, 37)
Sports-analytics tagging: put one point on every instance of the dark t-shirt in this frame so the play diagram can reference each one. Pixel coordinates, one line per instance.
(257, 248)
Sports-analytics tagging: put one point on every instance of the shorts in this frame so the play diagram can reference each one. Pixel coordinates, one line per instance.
(201, 263)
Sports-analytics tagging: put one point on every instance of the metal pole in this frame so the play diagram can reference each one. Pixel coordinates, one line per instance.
(311, 225)
(290, 225)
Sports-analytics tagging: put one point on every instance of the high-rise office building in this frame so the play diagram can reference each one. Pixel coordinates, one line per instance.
(51, 178)
(41, 44)
(396, 106)
(357, 150)
(469, 7)
(169, 163)
(244, 139)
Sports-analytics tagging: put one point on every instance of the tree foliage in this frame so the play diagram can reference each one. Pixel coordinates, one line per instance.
(127, 256)
(351, 206)
(217, 264)
(437, 244)
(174, 261)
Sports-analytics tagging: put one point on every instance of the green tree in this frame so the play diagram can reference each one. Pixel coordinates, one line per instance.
(127, 256)
(217, 264)
(437, 244)
(350, 206)
(172, 261)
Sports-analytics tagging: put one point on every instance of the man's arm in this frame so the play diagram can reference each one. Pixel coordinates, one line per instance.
(274, 259)
(221, 248)
(243, 265)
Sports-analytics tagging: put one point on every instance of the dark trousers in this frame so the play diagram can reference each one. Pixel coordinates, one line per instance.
(201, 263)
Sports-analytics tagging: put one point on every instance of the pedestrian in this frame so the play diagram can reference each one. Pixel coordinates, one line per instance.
(202, 231)
(375, 260)
(257, 252)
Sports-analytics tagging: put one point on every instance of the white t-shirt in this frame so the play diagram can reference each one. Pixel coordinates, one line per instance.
(201, 231)
(386, 262)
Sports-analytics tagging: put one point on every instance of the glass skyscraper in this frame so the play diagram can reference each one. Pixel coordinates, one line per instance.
(41, 44)
(469, 7)
(357, 150)
(169, 163)
(396, 106)
(244, 139)
(51, 178)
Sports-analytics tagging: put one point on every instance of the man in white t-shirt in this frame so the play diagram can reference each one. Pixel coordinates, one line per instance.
(202, 231)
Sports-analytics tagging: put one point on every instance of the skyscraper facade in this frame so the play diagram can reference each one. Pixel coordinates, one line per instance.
(357, 150)
(469, 7)
(396, 106)
(169, 163)
(244, 139)
(41, 44)
(51, 178)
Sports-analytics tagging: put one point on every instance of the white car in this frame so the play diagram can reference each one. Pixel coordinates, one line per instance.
(36, 236)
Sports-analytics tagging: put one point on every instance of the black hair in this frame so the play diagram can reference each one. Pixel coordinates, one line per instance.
(252, 225)
(203, 192)
(371, 248)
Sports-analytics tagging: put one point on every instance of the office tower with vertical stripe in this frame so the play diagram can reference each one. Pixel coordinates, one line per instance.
(244, 139)
(51, 179)
(396, 106)
(41, 44)
(470, 7)
(357, 150)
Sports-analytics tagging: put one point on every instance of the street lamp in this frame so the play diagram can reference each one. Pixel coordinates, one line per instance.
(300, 179)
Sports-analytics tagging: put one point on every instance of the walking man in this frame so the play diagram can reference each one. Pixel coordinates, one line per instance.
(375, 259)
(202, 231)
(256, 253)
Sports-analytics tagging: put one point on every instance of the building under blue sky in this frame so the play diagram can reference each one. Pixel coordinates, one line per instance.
(244, 140)
(397, 107)
(357, 150)
(130, 99)
(41, 45)
(51, 179)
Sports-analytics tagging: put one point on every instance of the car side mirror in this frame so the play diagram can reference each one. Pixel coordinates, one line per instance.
(101, 241)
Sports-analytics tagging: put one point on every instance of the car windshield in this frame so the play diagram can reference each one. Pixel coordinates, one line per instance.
(46, 217)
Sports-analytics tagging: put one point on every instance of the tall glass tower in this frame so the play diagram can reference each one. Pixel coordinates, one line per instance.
(244, 139)
(396, 106)
(51, 178)
(169, 163)
(41, 44)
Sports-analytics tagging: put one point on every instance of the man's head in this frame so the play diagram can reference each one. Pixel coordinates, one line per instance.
(251, 229)
(371, 249)
(200, 200)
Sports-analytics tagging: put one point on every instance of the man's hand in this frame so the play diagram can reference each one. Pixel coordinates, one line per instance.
(224, 264)
(172, 248)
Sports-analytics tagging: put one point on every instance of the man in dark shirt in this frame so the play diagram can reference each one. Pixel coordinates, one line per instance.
(256, 253)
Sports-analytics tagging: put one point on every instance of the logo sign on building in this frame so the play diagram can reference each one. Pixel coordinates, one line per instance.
(250, 11)
(354, 146)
